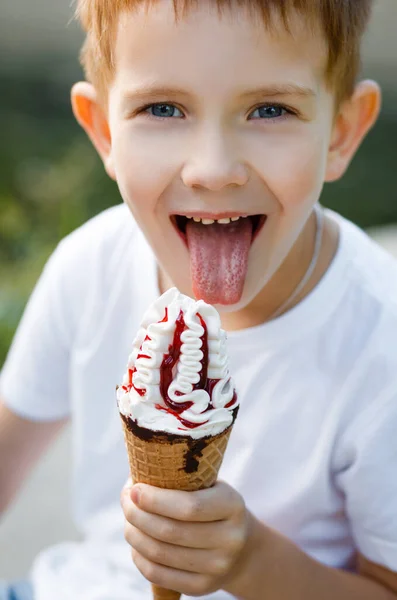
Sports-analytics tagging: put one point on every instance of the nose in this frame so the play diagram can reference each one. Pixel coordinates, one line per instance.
(213, 165)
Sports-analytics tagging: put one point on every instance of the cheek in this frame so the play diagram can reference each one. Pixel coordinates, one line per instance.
(293, 165)
(145, 165)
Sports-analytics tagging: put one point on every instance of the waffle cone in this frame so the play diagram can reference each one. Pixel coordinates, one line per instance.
(173, 462)
(160, 593)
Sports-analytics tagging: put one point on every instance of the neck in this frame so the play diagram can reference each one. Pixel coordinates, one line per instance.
(286, 278)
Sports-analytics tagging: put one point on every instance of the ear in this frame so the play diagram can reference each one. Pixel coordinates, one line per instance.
(355, 118)
(91, 116)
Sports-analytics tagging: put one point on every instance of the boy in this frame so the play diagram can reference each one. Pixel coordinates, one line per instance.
(235, 113)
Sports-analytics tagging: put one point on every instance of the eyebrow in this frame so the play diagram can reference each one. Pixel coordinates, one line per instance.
(154, 92)
(288, 89)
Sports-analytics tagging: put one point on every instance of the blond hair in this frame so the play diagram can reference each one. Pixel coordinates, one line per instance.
(342, 22)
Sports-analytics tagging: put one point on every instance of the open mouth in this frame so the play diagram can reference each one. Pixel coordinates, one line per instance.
(219, 249)
(180, 223)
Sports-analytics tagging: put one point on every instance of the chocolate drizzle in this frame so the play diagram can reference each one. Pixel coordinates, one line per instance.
(148, 435)
(195, 447)
(195, 452)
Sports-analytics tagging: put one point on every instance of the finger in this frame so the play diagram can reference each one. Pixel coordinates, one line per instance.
(190, 584)
(207, 562)
(213, 504)
(190, 535)
(125, 497)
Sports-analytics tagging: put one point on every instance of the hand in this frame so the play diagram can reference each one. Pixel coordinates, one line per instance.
(192, 542)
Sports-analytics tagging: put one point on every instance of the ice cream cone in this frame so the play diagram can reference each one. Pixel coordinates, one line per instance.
(178, 401)
(173, 462)
(160, 593)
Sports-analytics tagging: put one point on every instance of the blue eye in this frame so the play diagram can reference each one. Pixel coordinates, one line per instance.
(269, 111)
(164, 111)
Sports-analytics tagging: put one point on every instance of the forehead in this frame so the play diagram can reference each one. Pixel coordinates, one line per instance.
(202, 44)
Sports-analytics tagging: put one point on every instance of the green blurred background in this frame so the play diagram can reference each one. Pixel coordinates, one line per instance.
(52, 181)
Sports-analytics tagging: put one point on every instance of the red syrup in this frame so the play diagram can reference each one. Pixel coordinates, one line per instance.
(202, 383)
(130, 384)
(184, 422)
(165, 318)
(167, 366)
(131, 372)
(205, 383)
(167, 373)
(232, 401)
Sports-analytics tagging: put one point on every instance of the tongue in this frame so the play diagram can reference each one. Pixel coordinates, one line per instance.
(219, 259)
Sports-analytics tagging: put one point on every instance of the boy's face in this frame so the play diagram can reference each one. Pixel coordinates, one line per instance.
(217, 117)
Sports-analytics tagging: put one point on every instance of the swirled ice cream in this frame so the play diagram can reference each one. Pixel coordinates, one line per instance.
(177, 378)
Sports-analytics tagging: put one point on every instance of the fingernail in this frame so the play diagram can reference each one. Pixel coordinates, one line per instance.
(135, 495)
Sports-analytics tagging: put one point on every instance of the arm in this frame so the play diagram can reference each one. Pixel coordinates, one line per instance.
(22, 442)
(198, 542)
(275, 568)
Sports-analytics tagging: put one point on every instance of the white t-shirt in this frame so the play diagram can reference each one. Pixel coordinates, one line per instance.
(314, 448)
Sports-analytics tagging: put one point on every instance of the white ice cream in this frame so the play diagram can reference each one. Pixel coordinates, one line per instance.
(143, 400)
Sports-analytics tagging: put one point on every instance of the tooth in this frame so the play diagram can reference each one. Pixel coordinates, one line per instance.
(196, 219)
(224, 221)
(235, 218)
(189, 217)
(207, 221)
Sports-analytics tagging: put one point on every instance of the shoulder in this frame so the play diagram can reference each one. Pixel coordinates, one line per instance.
(98, 243)
(91, 262)
(101, 234)
(363, 328)
(370, 269)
